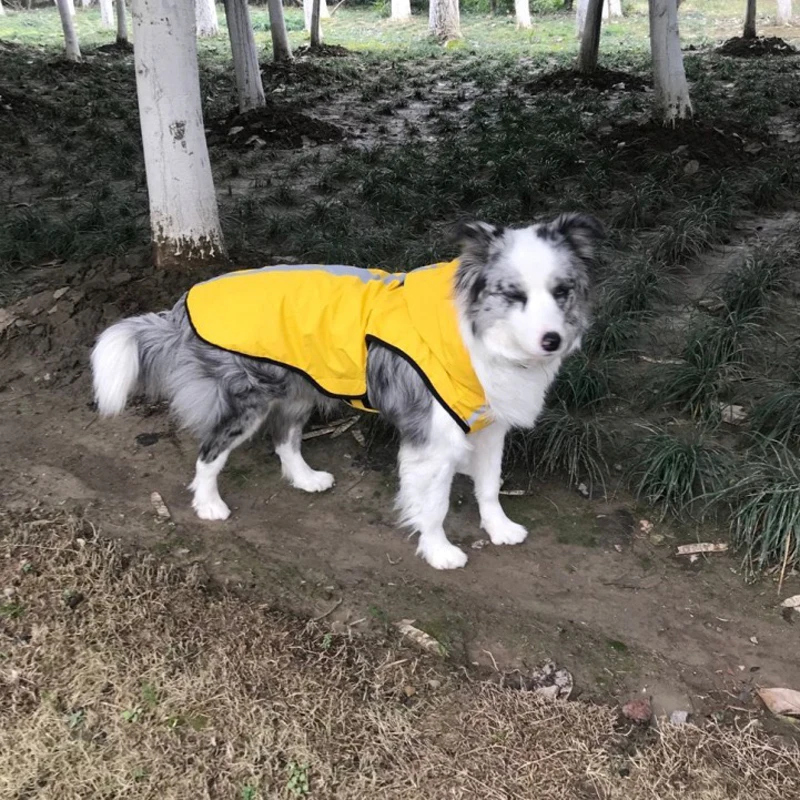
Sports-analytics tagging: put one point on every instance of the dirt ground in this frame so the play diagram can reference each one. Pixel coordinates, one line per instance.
(590, 588)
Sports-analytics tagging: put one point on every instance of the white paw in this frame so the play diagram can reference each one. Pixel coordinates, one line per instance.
(313, 481)
(211, 508)
(504, 531)
(442, 555)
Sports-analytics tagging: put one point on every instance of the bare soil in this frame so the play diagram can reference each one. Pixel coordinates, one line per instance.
(756, 48)
(601, 80)
(590, 589)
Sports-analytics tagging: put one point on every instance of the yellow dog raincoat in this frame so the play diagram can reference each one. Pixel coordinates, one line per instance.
(319, 320)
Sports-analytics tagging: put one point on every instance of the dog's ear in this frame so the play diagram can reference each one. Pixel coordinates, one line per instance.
(476, 237)
(580, 231)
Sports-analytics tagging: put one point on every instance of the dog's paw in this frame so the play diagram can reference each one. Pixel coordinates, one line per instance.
(313, 481)
(442, 555)
(211, 508)
(504, 531)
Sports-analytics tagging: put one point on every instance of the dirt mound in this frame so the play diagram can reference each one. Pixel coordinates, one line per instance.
(756, 48)
(323, 51)
(115, 47)
(601, 79)
(271, 127)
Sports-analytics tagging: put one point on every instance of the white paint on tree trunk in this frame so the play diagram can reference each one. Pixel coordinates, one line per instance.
(249, 88)
(316, 26)
(784, 15)
(401, 9)
(443, 20)
(669, 79)
(72, 49)
(522, 11)
(750, 20)
(281, 50)
(206, 16)
(122, 25)
(106, 14)
(183, 206)
(615, 8)
(86, 3)
(307, 11)
(70, 6)
(590, 40)
(2, 10)
(324, 12)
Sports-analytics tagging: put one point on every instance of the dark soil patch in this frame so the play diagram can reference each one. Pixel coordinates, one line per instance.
(756, 48)
(323, 51)
(115, 47)
(601, 79)
(704, 143)
(297, 71)
(271, 126)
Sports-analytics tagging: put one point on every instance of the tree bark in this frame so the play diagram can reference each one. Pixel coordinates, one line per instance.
(580, 17)
(443, 19)
(70, 7)
(206, 18)
(122, 25)
(106, 14)
(615, 8)
(590, 41)
(784, 15)
(281, 50)
(669, 79)
(316, 28)
(401, 9)
(750, 20)
(72, 48)
(324, 12)
(184, 220)
(245, 55)
(522, 10)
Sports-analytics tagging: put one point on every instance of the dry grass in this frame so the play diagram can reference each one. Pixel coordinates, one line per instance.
(120, 677)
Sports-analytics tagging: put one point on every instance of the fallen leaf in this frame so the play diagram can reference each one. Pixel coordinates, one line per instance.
(645, 526)
(732, 414)
(7, 319)
(160, 506)
(638, 711)
(781, 701)
(753, 640)
(237, 129)
(359, 437)
(679, 717)
(691, 167)
(791, 602)
(420, 638)
(702, 547)
(480, 544)
(753, 147)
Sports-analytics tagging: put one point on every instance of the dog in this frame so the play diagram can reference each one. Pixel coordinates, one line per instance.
(506, 313)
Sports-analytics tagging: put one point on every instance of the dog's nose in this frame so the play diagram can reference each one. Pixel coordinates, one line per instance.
(551, 342)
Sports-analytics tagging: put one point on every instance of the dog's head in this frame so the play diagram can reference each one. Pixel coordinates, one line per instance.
(525, 292)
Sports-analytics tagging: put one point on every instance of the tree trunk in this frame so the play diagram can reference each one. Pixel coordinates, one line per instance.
(580, 17)
(72, 49)
(590, 41)
(206, 18)
(401, 9)
(70, 6)
(324, 13)
(245, 55)
(107, 14)
(669, 79)
(122, 25)
(784, 15)
(615, 8)
(183, 207)
(316, 28)
(281, 51)
(443, 20)
(522, 9)
(750, 20)
(2, 10)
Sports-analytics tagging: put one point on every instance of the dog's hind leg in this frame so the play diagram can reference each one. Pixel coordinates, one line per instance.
(214, 451)
(486, 461)
(286, 421)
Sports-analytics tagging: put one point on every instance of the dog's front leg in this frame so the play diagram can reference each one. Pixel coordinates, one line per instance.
(486, 462)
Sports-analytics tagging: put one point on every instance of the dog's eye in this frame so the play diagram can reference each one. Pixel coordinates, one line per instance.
(562, 291)
(514, 295)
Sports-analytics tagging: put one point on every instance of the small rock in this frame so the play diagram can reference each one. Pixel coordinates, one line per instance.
(753, 640)
(409, 691)
(691, 167)
(732, 414)
(679, 717)
(434, 684)
(480, 544)
(583, 489)
(58, 293)
(638, 711)
(9, 592)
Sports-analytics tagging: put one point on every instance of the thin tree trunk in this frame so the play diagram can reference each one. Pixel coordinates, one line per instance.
(206, 18)
(324, 12)
(401, 9)
(750, 20)
(70, 6)
(669, 79)
(580, 17)
(183, 206)
(107, 14)
(316, 28)
(2, 10)
(615, 8)
(522, 10)
(590, 41)
(245, 55)
(122, 25)
(784, 15)
(72, 49)
(281, 51)
(443, 19)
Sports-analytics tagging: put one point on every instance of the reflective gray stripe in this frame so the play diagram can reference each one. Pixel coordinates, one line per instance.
(476, 415)
(334, 269)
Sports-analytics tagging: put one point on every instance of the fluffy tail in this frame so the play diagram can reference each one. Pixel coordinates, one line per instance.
(115, 366)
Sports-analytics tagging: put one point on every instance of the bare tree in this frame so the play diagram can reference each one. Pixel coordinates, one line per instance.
(72, 51)
(522, 11)
(281, 51)
(401, 9)
(316, 28)
(590, 40)
(307, 10)
(669, 78)
(245, 55)
(122, 25)
(750, 20)
(206, 18)
(106, 14)
(784, 15)
(184, 220)
(443, 20)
